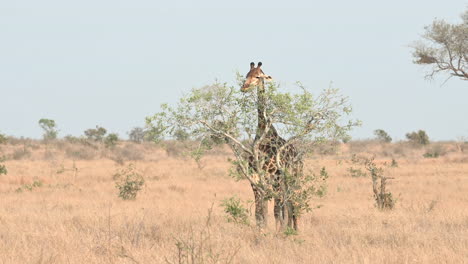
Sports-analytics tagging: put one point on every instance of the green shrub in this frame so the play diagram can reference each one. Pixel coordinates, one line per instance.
(30, 187)
(382, 135)
(3, 169)
(3, 139)
(235, 211)
(435, 151)
(111, 140)
(49, 127)
(137, 134)
(96, 134)
(419, 138)
(290, 231)
(129, 182)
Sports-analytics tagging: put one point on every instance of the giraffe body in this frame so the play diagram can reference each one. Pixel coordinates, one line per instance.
(279, 157)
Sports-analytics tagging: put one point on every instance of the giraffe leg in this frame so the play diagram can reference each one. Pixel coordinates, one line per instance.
(279, 212)
(293, 218)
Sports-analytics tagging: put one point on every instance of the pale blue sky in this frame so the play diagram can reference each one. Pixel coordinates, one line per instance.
(112, 63)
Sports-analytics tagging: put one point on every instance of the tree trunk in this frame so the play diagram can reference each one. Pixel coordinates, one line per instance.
(261, 208)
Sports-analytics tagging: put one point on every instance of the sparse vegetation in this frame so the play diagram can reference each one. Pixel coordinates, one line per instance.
(356, 172)
(129, 182)
(30, 187)
(86, 207)
(435, 151)
(199, 246)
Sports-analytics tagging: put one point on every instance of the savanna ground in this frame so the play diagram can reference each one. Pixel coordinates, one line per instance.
(59, 204)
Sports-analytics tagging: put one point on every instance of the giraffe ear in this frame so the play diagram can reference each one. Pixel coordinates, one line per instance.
(259, 64)
(252, 65)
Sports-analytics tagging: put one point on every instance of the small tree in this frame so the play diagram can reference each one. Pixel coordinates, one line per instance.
(383, 199)
(445, 48)
(96, 134)
(419, 138)
(49, 127)
(129, 182)
(382, 136)
(137, 134)
(224, 112)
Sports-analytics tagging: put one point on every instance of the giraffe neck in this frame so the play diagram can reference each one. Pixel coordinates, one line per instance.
(262, 121)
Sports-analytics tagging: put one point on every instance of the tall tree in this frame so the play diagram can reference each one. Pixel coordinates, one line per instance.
(444, 47)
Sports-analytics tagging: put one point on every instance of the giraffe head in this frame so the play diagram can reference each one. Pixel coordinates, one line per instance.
(254, 77)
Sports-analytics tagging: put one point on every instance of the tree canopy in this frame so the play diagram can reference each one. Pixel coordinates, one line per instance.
(444, 47)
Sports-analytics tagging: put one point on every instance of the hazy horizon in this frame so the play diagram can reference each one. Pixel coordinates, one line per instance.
(113, 63)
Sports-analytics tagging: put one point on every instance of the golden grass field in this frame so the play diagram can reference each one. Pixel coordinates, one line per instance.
(77, 217)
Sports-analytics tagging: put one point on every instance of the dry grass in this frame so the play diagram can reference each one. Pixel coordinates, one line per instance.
(77, 217)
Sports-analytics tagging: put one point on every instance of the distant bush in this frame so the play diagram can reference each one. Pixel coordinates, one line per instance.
(382, 135)
(96, 134)
(435, 151)
(137, 135)
(420, 137)
(3, 169)
(235, 211)
(124, 153)
(181, 135)
(111, 140)
(129, 182)
(3, 139)
(21, 153)
(72, 139)
(49, 127)
(80, 153)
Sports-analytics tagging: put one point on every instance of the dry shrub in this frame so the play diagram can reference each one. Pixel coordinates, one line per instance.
(327, 149)
(198, 245)
(176, 149)
(361, 146)
(130, 152)
(176, 188)
(20, 154)
(435, 151)
(80, 153)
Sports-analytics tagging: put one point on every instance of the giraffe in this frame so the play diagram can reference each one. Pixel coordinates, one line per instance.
(272, 147)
